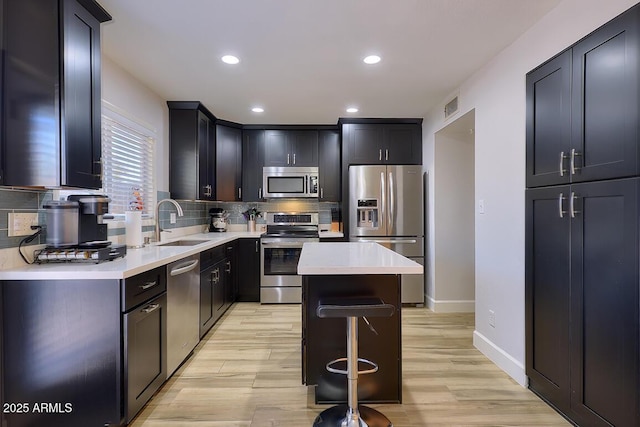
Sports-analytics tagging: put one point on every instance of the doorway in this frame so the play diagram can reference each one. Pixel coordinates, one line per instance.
(453, 287)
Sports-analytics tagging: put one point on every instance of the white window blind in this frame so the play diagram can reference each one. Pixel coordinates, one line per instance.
(127, 162)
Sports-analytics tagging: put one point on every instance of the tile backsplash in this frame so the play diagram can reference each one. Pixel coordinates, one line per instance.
(195, 213)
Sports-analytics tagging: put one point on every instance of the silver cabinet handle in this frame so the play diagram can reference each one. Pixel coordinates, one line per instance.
(287, 158)
(561, 211)
(392, 204)
(256, 246)
(260, 193)
(151, 307)
(183, 268)
(239, 193)
(380, 154)
(148, 285)
(294, 158)
(572, 209)
(386, 154)
(573, 166)
(321, 192)
(562, 158)
(228, 269)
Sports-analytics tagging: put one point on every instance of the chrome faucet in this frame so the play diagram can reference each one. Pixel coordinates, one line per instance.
(178, 207)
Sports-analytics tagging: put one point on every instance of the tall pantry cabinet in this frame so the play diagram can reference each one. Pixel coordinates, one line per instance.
(582, 243)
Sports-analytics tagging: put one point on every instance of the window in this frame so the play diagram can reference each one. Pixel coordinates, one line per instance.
(127, 162)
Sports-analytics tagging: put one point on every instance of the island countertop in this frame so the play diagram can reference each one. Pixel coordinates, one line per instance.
(353, 258)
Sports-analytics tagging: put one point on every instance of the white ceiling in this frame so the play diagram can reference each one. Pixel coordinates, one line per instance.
(302, 59)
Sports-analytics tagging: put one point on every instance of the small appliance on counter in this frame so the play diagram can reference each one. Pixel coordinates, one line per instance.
(218, 219)
(75, 232)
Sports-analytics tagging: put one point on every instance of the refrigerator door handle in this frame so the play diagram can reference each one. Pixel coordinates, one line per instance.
(392, 204)
(383, 190)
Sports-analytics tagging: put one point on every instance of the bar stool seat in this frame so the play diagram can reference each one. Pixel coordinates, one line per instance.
(351, 308)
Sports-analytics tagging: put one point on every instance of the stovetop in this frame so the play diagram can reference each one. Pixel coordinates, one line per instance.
(292, 224)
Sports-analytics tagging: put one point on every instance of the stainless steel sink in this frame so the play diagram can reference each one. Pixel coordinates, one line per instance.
(183, 243)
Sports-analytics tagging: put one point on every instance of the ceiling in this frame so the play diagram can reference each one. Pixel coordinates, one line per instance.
(301, 60)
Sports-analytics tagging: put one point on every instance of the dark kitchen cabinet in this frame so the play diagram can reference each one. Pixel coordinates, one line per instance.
(252, 164)
(216, 284)
(371, 142)
(192, 151)
(230, 273)
(248, 271)
(329, 165)
(582, 300)
(62, 345)
(291, 148)
(228, 162)
(51, 72)
(583, 107)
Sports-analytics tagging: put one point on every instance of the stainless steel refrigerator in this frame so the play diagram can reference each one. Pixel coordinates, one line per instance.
(386, 205)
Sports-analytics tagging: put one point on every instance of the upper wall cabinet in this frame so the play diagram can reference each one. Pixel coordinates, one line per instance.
(583, 106)
(329, 165)
(228, 162)
(374, 141)
(51, 93)
(252, 164)
(192, 151)
(291, 148)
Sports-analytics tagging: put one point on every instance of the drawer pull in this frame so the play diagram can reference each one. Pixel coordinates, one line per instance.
(150, 308)
(148, 285)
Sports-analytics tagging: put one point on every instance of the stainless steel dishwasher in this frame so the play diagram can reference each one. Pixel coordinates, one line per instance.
(183, 305)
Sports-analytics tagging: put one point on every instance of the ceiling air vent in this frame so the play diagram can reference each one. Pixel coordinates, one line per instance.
(451, 107)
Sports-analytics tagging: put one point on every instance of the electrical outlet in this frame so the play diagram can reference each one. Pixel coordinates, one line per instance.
(492, 318)
(20, 223)
(172, 218)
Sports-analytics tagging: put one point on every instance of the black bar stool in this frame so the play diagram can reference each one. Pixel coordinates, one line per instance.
(350, 415)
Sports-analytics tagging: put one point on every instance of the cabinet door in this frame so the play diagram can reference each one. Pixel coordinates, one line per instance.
(277, 149)
(207, 277)
(605, 100)
(547, 286)
(605, 378)
(228, 163)
(205, 188)
(548, 132)
(252, 163)
(249, 274)
(402, 144)
(230, 273)
(329, 166)
(81, 139)
(303, 147)
(219, 299)
(365, 143)
(30, 152)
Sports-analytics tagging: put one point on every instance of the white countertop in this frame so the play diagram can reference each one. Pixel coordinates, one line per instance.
(136, 261)
(328, 258)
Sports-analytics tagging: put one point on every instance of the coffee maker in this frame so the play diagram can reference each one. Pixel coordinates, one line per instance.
(91, 209)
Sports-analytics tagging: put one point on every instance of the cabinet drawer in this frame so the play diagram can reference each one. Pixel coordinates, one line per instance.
(142, 287)
(211, 256)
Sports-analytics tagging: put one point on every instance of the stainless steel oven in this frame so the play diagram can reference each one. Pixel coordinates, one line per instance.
(279, 254)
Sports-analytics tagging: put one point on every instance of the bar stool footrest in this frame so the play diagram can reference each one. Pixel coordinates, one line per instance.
(344, 371)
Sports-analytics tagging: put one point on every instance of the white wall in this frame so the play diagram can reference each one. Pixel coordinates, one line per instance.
(142, 104)
(497, 93)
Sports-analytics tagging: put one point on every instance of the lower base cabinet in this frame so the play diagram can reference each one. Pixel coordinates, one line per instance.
(217, 284)
(248, 275)
(582, 300)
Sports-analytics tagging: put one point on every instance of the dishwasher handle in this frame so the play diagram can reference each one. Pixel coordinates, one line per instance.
(184, 268)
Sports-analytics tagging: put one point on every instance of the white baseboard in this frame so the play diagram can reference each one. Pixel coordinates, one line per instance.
(451, 306)
(503, 360)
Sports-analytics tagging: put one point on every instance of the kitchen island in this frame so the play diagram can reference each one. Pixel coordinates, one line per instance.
(345, 270)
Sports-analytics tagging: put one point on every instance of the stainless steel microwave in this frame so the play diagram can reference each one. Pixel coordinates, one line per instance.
(283, 182)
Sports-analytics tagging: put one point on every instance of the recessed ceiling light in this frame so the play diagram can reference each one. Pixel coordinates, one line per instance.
(230, 59)
(257, 110)
(352, 110)
(372, 59)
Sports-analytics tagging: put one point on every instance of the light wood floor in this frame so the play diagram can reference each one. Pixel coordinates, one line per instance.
(246, 372)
